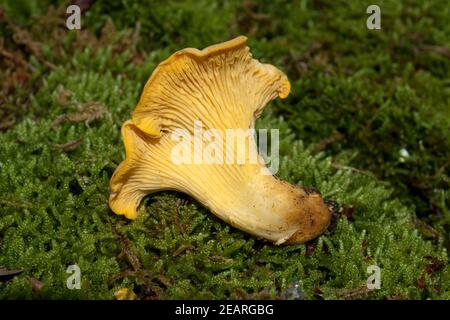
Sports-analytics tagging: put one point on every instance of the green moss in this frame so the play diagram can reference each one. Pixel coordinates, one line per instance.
(372, 92)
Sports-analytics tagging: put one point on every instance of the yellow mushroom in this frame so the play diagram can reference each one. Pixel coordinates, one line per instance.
(125, 294)
(218, 89)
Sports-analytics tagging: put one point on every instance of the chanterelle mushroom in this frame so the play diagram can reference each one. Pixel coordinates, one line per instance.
(220, 87)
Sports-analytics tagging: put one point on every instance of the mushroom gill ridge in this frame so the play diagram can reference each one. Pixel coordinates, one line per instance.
(215, 91)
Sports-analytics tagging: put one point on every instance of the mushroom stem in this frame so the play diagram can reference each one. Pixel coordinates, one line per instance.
(271, 209)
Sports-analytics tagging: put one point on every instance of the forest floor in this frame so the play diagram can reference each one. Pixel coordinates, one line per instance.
(367, 123)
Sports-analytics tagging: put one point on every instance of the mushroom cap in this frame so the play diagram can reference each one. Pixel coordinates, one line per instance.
(221, 85)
